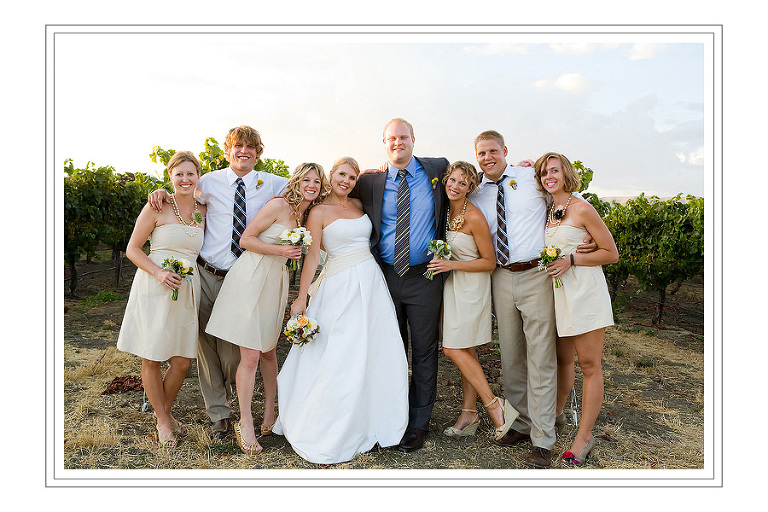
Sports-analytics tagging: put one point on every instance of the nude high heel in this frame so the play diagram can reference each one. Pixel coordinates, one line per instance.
(468, 430)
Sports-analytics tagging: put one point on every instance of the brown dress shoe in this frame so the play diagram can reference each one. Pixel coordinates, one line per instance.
(513, 437)
(540, 457)
(220, 428)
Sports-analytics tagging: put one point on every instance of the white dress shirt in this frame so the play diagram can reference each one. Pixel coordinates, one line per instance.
(526, 211)
(217, 190)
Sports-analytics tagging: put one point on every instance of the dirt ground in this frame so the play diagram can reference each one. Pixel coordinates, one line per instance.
(652, 416)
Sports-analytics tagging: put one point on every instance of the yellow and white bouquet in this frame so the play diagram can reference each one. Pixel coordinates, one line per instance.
(440, 249)
(301, 329)
(298, 236)
(548, 255)
(181, 267)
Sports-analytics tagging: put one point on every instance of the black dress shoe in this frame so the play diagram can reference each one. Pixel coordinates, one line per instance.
(412, 440)
(512, 438)
(220, 429)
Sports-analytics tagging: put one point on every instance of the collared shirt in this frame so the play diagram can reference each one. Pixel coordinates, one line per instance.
(422, 225)
(526, 211)
(217, 190)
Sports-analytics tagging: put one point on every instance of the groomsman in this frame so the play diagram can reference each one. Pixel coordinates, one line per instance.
(233, 197)
(516, 208)
(406, 204)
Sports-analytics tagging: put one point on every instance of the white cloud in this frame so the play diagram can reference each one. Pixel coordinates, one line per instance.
(572, 82)
(693, 157)
(641, 51)
(573, 48)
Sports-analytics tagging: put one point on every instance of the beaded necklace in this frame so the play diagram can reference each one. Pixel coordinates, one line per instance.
(458, 221)
(184, 223)
(556, 216)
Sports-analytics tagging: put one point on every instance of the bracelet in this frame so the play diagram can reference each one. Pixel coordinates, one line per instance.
(572, 263)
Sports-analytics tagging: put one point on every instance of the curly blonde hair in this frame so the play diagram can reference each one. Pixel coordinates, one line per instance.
(293, 194)
(469, 172)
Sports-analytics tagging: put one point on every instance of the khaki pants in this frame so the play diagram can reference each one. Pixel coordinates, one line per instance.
(217, 359)
(524, 307)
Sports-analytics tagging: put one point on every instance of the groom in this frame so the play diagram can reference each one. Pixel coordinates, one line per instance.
(406, 205)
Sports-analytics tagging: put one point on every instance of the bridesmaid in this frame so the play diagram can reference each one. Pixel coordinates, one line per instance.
(155, 327)
(582, 303)
(250, 308)
(467, 301)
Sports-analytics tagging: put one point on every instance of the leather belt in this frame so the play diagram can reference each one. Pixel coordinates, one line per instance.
(210, 268)
(521, 266)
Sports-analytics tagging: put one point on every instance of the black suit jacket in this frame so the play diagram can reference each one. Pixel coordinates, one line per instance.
(370, 190)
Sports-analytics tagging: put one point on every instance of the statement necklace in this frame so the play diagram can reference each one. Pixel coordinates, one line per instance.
(458, 221)
(196, 217)
(556, 215)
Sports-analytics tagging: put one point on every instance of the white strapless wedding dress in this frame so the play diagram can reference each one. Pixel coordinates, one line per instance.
(347, 390)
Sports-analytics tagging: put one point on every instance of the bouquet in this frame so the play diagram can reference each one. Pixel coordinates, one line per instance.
(441, 250)
(297, 236)
(548, 255)
(301, 329)
(181, 267)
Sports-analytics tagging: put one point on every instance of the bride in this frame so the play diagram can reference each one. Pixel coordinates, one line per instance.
(347, 390)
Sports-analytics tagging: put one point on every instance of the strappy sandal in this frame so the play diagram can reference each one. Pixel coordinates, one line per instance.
(510, 415)
(247, 448)
(167, 442)
(267, 429)
(468, 430)
(179, 429)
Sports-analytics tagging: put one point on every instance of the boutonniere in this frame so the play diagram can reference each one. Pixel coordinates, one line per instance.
(259, 183)
(513, 184)
(434, 183)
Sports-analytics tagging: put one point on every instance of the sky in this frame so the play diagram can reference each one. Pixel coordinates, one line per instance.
(632, 107)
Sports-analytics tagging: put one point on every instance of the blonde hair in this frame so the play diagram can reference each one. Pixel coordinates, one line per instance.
(293, 195)
(490, 135)
(346, 160)
(244, 134)
(469, 172)
(179, 158)
(571, 179)
(398, 120)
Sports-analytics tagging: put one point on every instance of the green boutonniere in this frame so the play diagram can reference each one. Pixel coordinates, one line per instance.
(513, 184)
(434, 183)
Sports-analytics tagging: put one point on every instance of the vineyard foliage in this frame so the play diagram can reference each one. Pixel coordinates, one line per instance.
(101, 205)
(660, 242)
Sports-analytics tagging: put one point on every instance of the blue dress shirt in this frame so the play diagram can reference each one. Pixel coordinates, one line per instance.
(422, 214)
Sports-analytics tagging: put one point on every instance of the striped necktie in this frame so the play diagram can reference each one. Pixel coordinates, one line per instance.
(401, 225)
(502, 244)
(238, 217)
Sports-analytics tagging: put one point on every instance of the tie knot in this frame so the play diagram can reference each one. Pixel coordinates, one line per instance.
(498, 182)
(402, 173)
(239, 182)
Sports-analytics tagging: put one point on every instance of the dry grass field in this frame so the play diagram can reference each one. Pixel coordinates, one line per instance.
(652, 417)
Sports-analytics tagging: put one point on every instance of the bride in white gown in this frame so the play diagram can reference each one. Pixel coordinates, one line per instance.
(347, 390)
